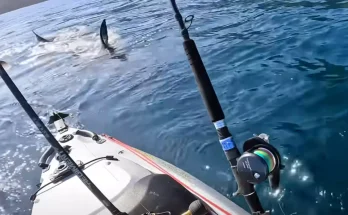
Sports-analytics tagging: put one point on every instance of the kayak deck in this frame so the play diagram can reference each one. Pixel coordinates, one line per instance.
(134, 183)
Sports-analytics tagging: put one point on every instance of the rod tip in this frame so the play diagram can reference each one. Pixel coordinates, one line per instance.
(5, 65)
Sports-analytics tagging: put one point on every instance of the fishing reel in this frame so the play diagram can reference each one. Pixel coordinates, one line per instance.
(259, 161)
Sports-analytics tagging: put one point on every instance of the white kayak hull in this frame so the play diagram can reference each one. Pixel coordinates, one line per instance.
(115, 179)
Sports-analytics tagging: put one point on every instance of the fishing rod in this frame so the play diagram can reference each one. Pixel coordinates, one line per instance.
(64, 156)
(260, 160)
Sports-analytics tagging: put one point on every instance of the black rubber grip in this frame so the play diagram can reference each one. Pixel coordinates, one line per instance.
(204, 84)
(223, 133)
(232, 156)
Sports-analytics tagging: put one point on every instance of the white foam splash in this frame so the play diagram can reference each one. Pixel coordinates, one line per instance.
(79, 41)
(14, 49)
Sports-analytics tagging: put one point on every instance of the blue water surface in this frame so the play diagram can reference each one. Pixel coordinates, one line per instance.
(278, 67)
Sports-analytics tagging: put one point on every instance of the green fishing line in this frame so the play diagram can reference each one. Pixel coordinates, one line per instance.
(267, 157)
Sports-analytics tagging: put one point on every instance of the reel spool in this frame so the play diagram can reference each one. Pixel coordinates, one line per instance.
(259, 161)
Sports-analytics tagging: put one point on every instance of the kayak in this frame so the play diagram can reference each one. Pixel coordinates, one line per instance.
(135, 181)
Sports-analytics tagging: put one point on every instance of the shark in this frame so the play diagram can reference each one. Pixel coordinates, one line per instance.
(104, 39)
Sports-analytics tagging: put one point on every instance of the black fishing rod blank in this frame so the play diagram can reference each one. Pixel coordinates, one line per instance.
(260, 165)
(54, 143)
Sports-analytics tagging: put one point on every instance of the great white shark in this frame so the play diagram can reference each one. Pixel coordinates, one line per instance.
(104, 39)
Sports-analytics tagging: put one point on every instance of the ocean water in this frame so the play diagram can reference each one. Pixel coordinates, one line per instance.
(278, 67)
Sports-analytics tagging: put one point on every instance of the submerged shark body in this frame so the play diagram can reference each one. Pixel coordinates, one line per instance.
(104, 39)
